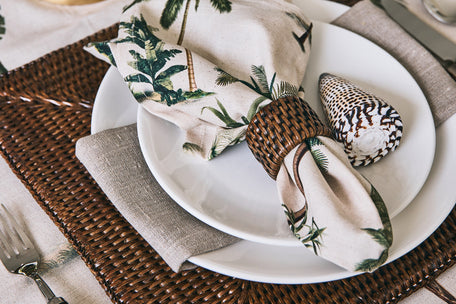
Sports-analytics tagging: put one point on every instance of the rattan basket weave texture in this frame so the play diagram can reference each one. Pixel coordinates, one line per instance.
(45, 106)
(278, 128)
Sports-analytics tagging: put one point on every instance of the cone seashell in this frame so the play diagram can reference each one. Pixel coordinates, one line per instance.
(368, 127)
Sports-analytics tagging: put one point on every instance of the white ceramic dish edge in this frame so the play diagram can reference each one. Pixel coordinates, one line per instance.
(231, 204)
(229, 261)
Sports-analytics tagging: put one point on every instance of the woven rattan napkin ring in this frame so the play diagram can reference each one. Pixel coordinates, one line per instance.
(279, 127)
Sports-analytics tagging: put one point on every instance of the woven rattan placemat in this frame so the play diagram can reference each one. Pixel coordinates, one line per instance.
(46, 106)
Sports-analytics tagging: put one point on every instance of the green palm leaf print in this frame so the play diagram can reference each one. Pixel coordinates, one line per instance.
(152, 63)
(223, 6)
(307, 27)
(320, 158)
(384, 236)
(131, 5)
(170, 12)
(169, 15)
(313, 237)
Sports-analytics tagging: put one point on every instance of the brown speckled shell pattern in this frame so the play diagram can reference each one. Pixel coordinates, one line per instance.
(348, 108)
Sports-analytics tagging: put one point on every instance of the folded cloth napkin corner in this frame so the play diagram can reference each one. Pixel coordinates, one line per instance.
(114, 159)
(232, 89)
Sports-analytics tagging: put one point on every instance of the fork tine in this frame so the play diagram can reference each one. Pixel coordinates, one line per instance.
(5, 243)
(4, 251)
(24, 258)
(21, 235)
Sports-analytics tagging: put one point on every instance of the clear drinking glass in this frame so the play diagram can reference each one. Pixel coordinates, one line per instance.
(442, 10)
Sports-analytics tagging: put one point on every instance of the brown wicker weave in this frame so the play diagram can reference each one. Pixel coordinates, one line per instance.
(46, 107)
(278, 128)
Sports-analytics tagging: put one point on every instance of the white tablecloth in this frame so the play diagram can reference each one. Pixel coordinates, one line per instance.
(34, 28)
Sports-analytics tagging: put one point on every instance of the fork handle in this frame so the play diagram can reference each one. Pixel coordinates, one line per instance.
(450, 67)
(58, 300)
(46, 291)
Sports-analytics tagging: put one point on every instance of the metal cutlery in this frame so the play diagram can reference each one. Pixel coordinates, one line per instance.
(443, 49)
(19, 255)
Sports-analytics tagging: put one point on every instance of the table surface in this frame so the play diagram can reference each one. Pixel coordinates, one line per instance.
(64, 269)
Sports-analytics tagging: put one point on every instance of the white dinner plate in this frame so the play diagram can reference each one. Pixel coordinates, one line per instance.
(234, 194)
(114, 107)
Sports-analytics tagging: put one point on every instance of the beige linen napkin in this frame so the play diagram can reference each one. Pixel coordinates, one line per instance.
(218, 66)
(373, 23)
(114, 159)
(338, 252)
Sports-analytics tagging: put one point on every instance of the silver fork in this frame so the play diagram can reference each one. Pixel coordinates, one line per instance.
(19, 255)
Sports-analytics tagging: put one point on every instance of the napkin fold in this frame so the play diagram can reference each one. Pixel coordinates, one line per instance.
(208, 68)
(114, 159)
(368, 254)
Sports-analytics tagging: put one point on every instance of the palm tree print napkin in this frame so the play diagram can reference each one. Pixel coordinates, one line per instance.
(189, 64)
(209, 66)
